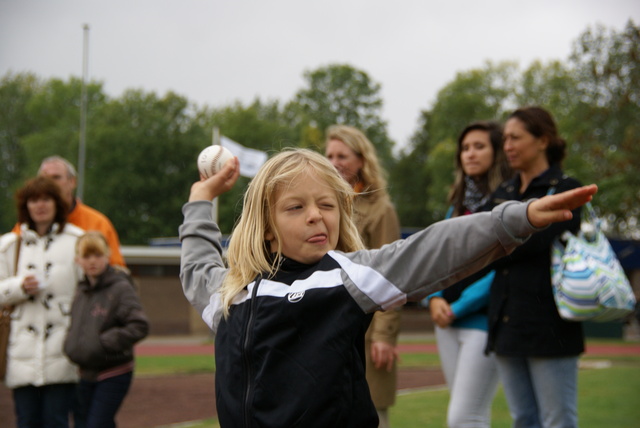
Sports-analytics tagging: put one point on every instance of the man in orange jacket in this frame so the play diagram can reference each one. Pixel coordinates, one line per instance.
(64, 174)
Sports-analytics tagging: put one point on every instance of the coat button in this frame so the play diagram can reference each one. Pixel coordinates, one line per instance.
(505, 318)
(505, 272)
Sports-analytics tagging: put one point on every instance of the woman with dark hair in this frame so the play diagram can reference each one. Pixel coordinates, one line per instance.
(40, 286)
(536, 351)
(481, 167)
(460, 311)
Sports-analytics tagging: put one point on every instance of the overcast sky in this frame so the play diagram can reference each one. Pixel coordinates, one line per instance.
(215, 52)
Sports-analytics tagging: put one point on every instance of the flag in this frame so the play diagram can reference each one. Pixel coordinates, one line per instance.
(250, 159)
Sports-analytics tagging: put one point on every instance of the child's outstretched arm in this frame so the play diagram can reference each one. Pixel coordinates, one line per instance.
(558, 207)
(217, 184)
(450, 250)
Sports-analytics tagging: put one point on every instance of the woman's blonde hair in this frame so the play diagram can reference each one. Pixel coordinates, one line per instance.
(371, 175)
(249, 254)
(92, 243)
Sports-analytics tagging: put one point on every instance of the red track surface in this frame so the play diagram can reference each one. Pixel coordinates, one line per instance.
(176, 399)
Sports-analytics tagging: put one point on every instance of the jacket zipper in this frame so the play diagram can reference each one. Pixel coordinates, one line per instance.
(246, 354)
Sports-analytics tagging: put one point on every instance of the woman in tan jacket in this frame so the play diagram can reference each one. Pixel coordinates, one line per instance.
(355, 158)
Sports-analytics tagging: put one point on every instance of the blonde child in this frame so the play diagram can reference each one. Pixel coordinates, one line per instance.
(291, 310)
(106, 321)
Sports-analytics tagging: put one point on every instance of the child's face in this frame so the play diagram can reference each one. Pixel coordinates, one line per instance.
(307, 217)
(93, 264)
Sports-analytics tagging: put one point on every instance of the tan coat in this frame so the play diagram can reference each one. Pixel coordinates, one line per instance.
(378, 224)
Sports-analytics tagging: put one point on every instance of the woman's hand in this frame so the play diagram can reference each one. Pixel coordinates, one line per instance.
(30, 285)
(557, 208)
(441, 313)
(383, 355)
(217, 184)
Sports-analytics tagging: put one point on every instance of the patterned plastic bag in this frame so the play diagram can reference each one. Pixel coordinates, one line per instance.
(588, 281)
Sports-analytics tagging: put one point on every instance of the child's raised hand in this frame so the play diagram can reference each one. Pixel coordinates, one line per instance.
(217, 184)
(557, 208)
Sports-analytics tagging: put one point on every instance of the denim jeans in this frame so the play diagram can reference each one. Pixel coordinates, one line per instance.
(98, 402)
(47, 406)
(540, 392)
(471, 376)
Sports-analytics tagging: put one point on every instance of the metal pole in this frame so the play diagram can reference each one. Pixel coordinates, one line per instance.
(214, 208)
(216, 136)
(83, 114)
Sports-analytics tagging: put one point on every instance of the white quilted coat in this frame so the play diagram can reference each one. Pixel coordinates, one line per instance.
(39, 324)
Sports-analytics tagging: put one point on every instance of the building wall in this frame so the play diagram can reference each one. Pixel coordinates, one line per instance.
(156, 272)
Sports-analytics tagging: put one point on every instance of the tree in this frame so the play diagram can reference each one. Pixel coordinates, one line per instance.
(15, 92)
(260, 125)
(554, 87)
(479, 94)
(340, 94)
(607, 66)
(440, 165)
(141, 162)
(410, 178)
(39, 119)
(55, 114)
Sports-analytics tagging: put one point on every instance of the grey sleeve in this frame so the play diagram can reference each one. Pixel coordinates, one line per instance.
(433, 258)
(202, 269)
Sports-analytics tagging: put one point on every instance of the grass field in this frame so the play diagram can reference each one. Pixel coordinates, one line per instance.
(608, 395)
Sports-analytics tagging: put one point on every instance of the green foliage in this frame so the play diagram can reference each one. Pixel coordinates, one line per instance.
(474, 95)
(479, 94)
(410, 179)
(172, 364)
(141, 147)
(607, 67)
(55, 112)
(141, 154)
(37, 119)
(341, 94)
(441, 166)
(15, 93)
(595, 99)
(553, 86)
(261, 126)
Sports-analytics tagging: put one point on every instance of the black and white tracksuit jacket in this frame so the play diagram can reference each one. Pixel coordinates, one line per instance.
(291, 352)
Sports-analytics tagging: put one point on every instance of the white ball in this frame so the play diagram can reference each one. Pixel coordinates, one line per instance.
(212, 159)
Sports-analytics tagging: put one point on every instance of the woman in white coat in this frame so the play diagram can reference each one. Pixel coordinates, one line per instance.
(40, 288)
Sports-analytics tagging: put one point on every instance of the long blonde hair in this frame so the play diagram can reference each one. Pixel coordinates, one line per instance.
(371, 175)
(249, 253)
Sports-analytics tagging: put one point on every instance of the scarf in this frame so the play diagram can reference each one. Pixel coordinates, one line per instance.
(474, 198)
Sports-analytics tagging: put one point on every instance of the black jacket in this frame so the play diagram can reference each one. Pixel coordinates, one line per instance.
(523, 319)
(106, 321)
(270, 339)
